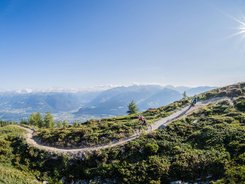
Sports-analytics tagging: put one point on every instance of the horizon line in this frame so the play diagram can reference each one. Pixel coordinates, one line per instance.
(97, 88)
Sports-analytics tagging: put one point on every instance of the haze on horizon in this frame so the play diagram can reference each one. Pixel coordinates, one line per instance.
(81, 44)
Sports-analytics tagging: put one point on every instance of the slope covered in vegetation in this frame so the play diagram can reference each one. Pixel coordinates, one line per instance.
(207, 145)
(99, 132)
(11, 171)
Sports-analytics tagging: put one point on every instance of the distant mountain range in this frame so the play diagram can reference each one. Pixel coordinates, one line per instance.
(82, 105)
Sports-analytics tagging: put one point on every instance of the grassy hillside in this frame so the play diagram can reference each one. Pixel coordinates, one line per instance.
(231, 91)
(208, 145)
(103, 131)
(10, 175)
(11, 171)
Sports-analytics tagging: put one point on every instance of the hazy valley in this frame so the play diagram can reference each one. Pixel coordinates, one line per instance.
(15, 106)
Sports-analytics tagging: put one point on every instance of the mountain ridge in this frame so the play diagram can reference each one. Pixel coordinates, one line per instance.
(82, 105)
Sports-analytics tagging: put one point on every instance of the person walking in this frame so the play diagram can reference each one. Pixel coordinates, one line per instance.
(194, 101)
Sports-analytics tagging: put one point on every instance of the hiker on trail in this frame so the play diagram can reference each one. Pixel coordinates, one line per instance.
(142, 120)
(194, 101)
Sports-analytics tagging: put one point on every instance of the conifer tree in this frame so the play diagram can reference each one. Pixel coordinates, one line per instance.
(132, 108)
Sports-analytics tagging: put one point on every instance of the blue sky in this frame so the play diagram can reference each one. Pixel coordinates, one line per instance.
(85, 43)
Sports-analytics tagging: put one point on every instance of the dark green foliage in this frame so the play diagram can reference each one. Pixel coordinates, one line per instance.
(240, 104)
(189, 149)
(5, 123)
(235, 174)
(151, 148)
(13, 166)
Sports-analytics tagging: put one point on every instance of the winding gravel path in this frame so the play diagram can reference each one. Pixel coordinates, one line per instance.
(156, 125)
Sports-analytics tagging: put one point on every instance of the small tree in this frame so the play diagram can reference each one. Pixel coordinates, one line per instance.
(48, 120)
(64, 124)
(132, 108)
(59, 124)
(184, 94)
(32, 119)
(76, 124)
(39, 120)
(23, 122)
(36, 119)
(151, 148)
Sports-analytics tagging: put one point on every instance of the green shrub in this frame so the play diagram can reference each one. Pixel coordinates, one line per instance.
(240, 105)
(151, 148)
